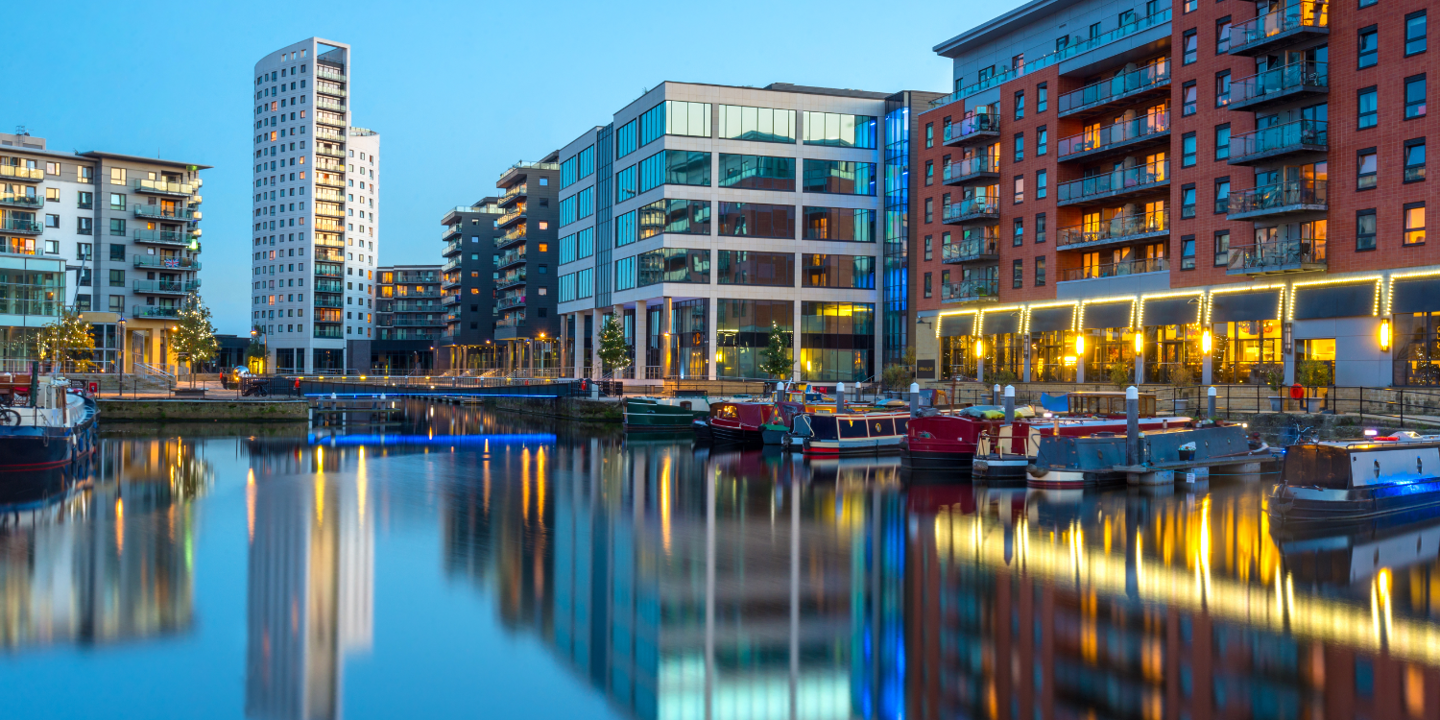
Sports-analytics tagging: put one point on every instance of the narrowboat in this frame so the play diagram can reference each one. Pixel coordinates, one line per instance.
(741, 422)
(663, 415)
(849, 433)
(1330, 484)
(55, 426)
(945, 443)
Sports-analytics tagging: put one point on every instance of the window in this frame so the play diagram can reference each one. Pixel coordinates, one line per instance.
(1415, 223)
(1017, 232)
(1222, 35)
(675, 216)
(1042, 97)
(1222, 88)
(1017, 273)
(929, 247)
(1415, 33)
(1415, 160)
(1094, 30)
(1222, 142)
(838, 271)
(1019, 189)
(117, 176)
(627, 139)
(1019, 147)
(1366, 169)
(117, 278)
(929, 173)
(117, 251)
(1365, 230)
(744, 267)
(1039, 272)
(117, 226)
(52, 194)
(1042, 140)
(756, 172)
(1222, 248)
(1187, 150)
(929, 291)
(626, 186)
(839, 130)
(757, 220)
(1414, 96)
(1369, 108)
(1369, 46)
(1019, 104)
(52, 221)
(1040, 228)
(84, 225)
(757, 124)
(1192, 46)
(930, 135)
(85, 200)
(841, 177)
(1187, 201)
(1222, 195)
(676, 167)
(1062, 42)
(117, 201)
(1187, 252)
(1191, 5)
(929, 210)
(1042, 182)
(1188, 96)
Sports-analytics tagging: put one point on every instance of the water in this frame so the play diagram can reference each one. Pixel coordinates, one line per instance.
(495, 566)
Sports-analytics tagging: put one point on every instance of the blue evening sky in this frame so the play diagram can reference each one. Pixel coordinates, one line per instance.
(457, 90)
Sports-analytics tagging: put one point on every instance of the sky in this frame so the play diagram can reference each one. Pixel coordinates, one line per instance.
(458, 91)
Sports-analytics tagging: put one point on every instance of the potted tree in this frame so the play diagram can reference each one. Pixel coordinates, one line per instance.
(1276, 380)
(1180, 376)
(1313, 374)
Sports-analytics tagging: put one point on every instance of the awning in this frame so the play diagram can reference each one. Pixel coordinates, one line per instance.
(1002, 322)
(1052, 319)
(1172, 310)
(1244, 307)
(956, 325)
(1418, 295)
(1107, 315)
(1335, 301)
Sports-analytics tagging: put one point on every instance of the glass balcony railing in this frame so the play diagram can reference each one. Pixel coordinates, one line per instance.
(329, 286)
(449, 230)
(1279, 139)
(1259, 30)
(451, 248)
(976, 206)
(163, 212)
(971, 167)
(1139, 177)
(1119, 134)
(329, 151)
(328, 104)
(1120, 227)
(329, 270)
(160, 261)
(154, 311)
(327, 73)
(971, 291)
(331, 90)
(976, 125)
(511, 258)
(982, 248)
(162, 237)
(512, 320)
(16, 172)
(167, 187)
(164, 286)
(517, 235)
(17, 225)
(1279, 82)
(451, 264)
(1119, 269)
(331, 332)
(1153, 76)
(1292, 196)
(1278, 256)
(30, 202)
(510, 301)
(329, 301)
(510, 280)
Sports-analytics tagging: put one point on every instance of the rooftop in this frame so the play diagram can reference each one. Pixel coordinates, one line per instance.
(36, 146)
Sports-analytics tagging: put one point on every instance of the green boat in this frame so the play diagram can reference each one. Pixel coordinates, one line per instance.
(652, 415)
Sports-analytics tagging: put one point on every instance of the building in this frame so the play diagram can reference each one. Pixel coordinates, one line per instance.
(467, 286)
(409, 319)
(131, 253)
(316, 211)
(735, 210)
(1107, 206)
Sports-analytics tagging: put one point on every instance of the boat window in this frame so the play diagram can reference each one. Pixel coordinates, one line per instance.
(881, 428)
(727, 411)
(823, 427)
(685, 404)
(852, 429)
(901, 424)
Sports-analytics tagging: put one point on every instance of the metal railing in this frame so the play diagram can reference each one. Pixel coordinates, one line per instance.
(1280, 80)
(974, 205)
(166, 213)
(1138, 177)
(20, 226)
(1279, 195)
(968, 290)
(1291, 16)
(33, 202)
(1116, 228)
(1116, 134)
(970, 249)
(973, 125)
(165, 186)
(160, 261)
(1275, 255)
(1119, 269)
(21, 173)
(1154, 75)
(1279, 137)
(971, 166)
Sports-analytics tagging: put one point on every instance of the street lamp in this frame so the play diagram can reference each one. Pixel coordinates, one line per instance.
(123, 341)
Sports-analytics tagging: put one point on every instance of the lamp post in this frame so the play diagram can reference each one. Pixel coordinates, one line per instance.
(120, 387)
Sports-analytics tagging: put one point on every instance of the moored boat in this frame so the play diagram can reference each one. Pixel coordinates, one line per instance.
(55, 427)
(1329, 484)
(740, 422)
(657, 415)
(871, 433)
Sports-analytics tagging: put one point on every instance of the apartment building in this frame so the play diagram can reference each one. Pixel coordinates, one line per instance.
(409, 318)
(115, 236)
(467, 286)
(702, 216)
(316, 212)
(1147, 188)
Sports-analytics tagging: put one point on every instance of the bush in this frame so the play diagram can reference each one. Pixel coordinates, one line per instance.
(1181, 376)
(1313, 373)
(1120, 374)
(1003, 378)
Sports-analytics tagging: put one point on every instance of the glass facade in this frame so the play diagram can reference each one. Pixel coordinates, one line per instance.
(895, 302)
(691, 338)
(675, 117)
(742, 332)
(757, 220)
(1004, 357)
(626, 184)
(1417, 349)
(757, 172)
(837, 341)
(1243, 352)
(1169, 348)
(577, 246)
(675, 167)
(957, 357)
(1107, 348)
(839, 271)
(839, 177)
(674, 265)
(840, 224)
(744, 267)
(839, 130)
(1052, 356)
(738, 122)
(577, 167)
(604, 241)
(682, 217)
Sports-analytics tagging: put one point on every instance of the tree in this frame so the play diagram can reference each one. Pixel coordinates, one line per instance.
(614, 353)
(898, 376)
(68, 339)
(256, 349)
(775, 359)
(194, 336)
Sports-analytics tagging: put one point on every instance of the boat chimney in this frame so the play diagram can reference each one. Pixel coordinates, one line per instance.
(914, 399)
(1132, 426)
(995, 394)
(839, 398)
(1009, 403)
(1211, 409)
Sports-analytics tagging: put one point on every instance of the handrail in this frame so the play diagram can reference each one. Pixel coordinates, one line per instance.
(970, 248)
(1120, 132)
(1129, 178)
(970, 290)
(1119, 269)
(983, 204)
(1278, 195)
(1149, 76)
(977, 123)
(970, 166)
(1275, 137)
(1288, 17)
(1281, 79)
(1119, 226)
(1278, 253)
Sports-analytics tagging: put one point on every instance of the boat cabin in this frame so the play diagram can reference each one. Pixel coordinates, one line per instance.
(1108, 404)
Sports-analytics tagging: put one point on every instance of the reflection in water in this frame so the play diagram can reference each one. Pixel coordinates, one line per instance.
(683, 582)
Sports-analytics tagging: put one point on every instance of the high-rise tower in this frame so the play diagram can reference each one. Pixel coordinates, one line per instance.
(316, 217)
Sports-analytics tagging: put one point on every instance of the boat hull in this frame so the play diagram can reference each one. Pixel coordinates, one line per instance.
(948, 463)
(1329, 508)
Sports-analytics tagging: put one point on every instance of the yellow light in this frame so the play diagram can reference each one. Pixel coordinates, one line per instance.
(1205, 342)
(1139, 343)
(1079, 344)
(1385, 334)
(979, 346)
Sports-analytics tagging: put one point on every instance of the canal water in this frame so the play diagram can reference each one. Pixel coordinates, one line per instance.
(468, 564)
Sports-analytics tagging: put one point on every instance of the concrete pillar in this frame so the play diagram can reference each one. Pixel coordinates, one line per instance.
(667, 336)
(642, 338)
(1206, 361)
(1132, 425)
(598, 322)
(1287, 352)
(1026, 373)
(797, 370)
(1140, 362)
(714, 312)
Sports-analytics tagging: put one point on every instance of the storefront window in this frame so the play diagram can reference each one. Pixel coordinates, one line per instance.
(1047, 357)
(692, 338)
(1108, 348)
(837, 341)
(742, 333)
(1417, 349)
(957, 357)
(1004, 358)
(1245, 352)
(1168, 349)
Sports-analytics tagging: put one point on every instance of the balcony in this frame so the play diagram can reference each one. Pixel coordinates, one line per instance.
(164, 287)
(166, 263)
(1289, 25)
(981, 126)
(326, 195)
(19, 226)
(451, 264)
(510, 281)
(452, 248)
(510, 301)
(334, 182)
(331, 90)
(1119, 269)
(1278, 257)
(165, 187)
(513, 320)
(971, 291)
(329, 286)
(334, 271)
(448, 300)
(331, 105)
(24, 174)
(1115, 139)
(520, 170)
(27, 202)
(324, 133)
(971, 250)
(325, 254)
(1299, 136)
(164, 212)
(517, 235)
(980, 208)
(154, 311)
(329, 301)
(450, 230)
(514, 193)
(324, 240)
(329, 332)
(980, 167)
(1152, 79)
(415, 306)
(329, 73)
(1283, 84)
(1118, 229)
(510, 258)
(1285, 198)
(328, 209)
(329, 151)
(1137, 180)
(510, 218)
(329, 165)
(163, 237)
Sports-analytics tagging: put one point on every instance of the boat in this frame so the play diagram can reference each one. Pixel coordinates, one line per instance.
(850, 433)
(54, 426)
(1165, 456)
(741, 422)
(663, 415)
(945, 442)
(1335, 484)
